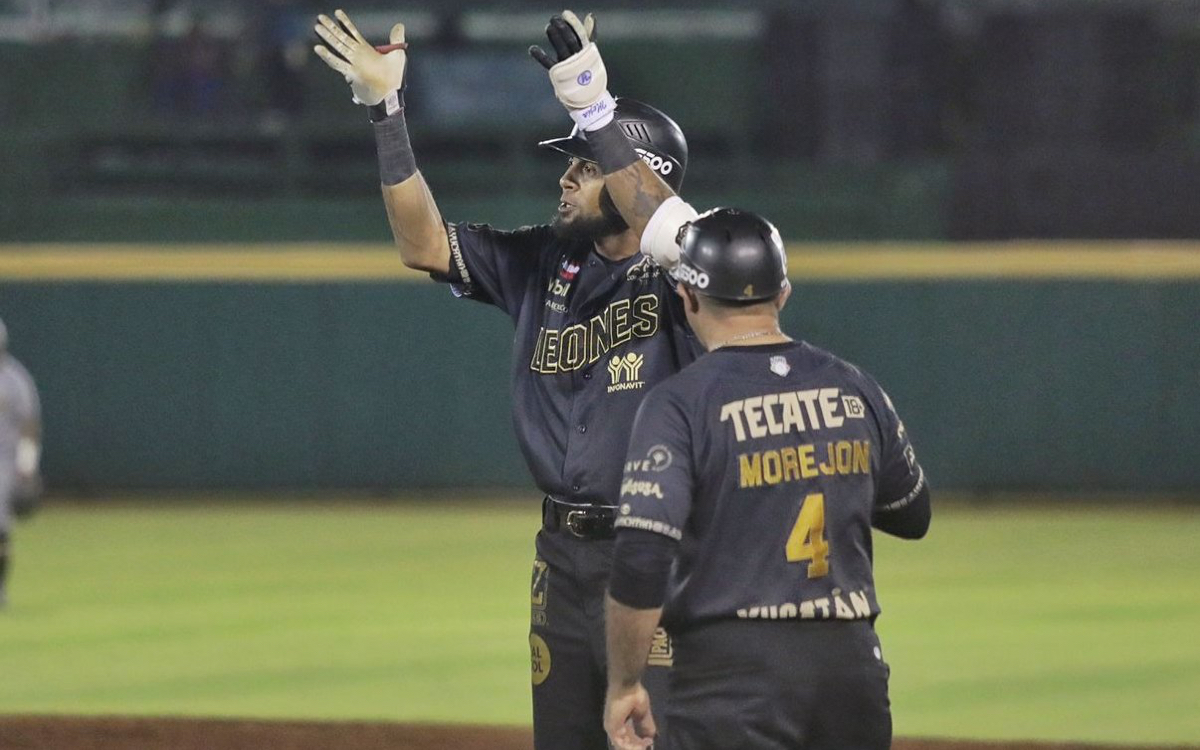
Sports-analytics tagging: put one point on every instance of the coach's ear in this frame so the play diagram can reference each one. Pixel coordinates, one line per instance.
(691, 300)
(782, 298)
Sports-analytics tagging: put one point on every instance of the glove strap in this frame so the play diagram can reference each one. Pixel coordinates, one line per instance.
(597, 114)
(396, 160)
(391, 104)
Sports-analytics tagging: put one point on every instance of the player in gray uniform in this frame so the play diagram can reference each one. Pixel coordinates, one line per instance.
(20, 446)
(597, 324)
(752, 483)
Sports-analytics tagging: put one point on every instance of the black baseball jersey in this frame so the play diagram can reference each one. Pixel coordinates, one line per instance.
(592, 337)
(768, 463)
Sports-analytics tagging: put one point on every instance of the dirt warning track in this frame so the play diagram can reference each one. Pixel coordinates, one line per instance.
(119, 733)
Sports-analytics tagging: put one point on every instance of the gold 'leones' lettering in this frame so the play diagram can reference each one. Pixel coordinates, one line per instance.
(582, 344)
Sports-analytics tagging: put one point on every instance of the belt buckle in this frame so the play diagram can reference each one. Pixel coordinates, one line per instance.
(574, 516)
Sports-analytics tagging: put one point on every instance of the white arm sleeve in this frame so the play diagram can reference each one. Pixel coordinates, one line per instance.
(662, 231)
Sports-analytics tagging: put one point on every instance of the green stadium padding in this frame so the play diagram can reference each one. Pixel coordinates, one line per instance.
(1007, 384)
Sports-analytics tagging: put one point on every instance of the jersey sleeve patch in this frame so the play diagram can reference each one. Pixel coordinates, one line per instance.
(462, 286)
(907, 499)
(625, 521)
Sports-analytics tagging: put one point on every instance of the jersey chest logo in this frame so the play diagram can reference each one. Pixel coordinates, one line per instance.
(624, 373)
(569, 270)
(643, 270)
(560, 286)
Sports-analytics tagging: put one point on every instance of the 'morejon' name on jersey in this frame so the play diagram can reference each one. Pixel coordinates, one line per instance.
(584, 343)
(794, 463)
(791, 411)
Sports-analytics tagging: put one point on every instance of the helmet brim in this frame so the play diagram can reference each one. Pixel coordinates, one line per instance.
(572, 145)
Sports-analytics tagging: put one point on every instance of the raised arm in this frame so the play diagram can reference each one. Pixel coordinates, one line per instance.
(417, 225)
(648, 204)
(377, 81)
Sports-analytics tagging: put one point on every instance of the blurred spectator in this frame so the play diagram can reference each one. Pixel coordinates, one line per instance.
(919, 67)
(20, 448)
(283, 29)
(191, 72)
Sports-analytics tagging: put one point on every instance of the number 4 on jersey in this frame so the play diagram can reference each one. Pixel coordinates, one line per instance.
(807, 540)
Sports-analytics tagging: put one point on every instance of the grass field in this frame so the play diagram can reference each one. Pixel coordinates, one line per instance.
(1054, 621)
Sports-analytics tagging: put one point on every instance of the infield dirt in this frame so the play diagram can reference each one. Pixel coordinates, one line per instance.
(120, 733)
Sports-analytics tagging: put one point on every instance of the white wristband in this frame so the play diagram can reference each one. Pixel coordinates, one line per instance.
(28, 454)
(660, 240)
(596, 115)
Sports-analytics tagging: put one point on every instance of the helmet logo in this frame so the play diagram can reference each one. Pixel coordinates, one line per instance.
(691, 276)
(663, 166)
(584, 78)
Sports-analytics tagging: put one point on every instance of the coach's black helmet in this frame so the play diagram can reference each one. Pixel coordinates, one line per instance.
(656, 137)
(733, 255)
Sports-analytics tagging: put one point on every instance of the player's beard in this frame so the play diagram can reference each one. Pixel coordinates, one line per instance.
(591, 228)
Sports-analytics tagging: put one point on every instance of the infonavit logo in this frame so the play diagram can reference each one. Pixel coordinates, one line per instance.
(624, 373)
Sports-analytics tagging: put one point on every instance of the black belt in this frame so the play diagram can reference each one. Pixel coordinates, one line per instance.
(577, 519)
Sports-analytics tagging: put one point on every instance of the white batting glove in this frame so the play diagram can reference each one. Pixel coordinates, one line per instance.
(373, 77)
(579, 77)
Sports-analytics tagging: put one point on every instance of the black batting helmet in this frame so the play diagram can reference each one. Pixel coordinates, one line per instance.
(656, 138)
(731, 254)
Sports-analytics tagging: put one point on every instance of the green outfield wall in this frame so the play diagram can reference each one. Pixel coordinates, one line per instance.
(1015, 367)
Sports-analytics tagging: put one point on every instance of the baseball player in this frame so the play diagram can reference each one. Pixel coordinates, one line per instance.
(597, 324)
(20, 447)
(752, 483)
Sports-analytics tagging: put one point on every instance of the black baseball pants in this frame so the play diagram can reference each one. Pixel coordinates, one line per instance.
(566, 641)
(779, 686)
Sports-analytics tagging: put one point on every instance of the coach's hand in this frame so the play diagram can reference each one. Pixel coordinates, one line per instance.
(627, 718)
(372, 76)
(579, 77)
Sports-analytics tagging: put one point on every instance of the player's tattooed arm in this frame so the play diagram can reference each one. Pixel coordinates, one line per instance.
(647, 203)
(637, 192)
